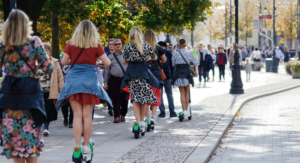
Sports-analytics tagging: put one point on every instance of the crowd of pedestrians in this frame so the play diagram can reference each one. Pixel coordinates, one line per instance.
(86, 75)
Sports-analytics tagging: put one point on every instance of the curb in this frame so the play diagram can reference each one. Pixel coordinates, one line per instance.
(211, 141)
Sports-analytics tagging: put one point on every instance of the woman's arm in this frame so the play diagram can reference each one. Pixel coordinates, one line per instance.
(65, 59)
(163, 58)
(105, 60)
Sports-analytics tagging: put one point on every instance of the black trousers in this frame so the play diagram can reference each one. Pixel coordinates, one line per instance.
(119, 100)
(221, 71)
(65, 111)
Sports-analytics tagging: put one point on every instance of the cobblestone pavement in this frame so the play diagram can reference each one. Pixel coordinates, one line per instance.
(171, 141)
(266, 130)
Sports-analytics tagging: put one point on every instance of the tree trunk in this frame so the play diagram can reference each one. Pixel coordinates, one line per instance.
(6, 8)
(55, 36)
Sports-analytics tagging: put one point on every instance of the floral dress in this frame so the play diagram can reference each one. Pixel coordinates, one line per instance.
(139, 88)
(21, 140)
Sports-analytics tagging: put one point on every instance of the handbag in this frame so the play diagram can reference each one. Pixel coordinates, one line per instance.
(24, 93)
(125, 89)
(191, 72)
(161, 71)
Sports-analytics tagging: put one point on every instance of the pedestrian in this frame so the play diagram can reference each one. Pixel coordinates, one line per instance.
(244, 53)
(170, 47)
(292, 52)
(81, 52)
(208, 65)
(23, 111)
(137, 77)
(108, 49)
(51, 85)
(211, 51)
(155, 67)
(221, 61)
(263, 54)
(66, 109)
(248, 69)
(176, 47)
(113, 79)
(231, 55)
(286, 55)
(256, 55)
(278, 55)
(182, 75)
(201, 57)
(269, 52)
(168, 70)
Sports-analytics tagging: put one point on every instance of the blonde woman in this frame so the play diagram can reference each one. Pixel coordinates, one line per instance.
(22, 125)
(137, 77)
(82, 88)
(154, 66)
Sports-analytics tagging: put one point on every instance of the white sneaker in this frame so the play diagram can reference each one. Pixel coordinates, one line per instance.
(130, 105)
(46, 132)
(186, 114)
(142, 126)
(86, 150)
(153, 119)
(204, 85)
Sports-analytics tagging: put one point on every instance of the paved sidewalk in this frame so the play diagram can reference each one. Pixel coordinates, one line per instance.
(267, 130)
(171, 141)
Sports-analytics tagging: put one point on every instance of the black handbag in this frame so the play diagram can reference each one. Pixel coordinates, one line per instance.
(22, 94)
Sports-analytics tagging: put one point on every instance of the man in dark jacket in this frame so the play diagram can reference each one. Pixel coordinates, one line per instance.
(168, 70)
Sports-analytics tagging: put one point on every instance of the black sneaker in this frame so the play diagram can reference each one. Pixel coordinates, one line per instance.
(110, 112)
(71, 125)
(66, 122)
(162, 114)
(173, 114)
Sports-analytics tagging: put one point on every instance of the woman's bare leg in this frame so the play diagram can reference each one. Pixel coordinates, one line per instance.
(32, 160)
(143, 108)
(182, 97)
(87, 123)
(19, 160)
(77, 121)
(187, 96)
(146, 110)
(137, 111)
(154, 109)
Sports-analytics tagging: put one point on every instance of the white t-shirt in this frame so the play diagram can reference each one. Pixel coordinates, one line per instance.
(256, 54)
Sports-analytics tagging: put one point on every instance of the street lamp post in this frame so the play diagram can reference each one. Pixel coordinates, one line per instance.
(298, 28)
(274, 67)
(230, 26)
(236, 84)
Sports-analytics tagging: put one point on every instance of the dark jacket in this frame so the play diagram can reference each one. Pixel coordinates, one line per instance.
(167, 67)
(183, 71)
(223, 56)
(208, 62)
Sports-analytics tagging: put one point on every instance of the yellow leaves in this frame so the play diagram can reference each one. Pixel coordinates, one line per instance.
(109, 14)
(94, 13)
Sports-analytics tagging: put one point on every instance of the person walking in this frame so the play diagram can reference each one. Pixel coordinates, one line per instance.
(168, 70)
(81, 52)
(51, 85)
(221, 61)
(22, 113)
(244, 53)
(182, 75)
(137, 77)
(269, 52)
(248, 69)
(113, 79)
(108, 48)
(292, 52)
(155, 67)
(286, 55)
(256, 55)
(212, 53)
(201, 57)
(231, 55)
(278, 55)
(176, 47)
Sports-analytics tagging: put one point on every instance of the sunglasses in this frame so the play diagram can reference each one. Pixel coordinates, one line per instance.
(118, 44)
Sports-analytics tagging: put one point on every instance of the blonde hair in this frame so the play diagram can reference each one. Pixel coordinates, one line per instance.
(135, 35)
(150, 38)
(85, 35)
(47, 45)
(16, 29)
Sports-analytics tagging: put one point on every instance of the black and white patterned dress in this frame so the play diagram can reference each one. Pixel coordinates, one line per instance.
(139, 88)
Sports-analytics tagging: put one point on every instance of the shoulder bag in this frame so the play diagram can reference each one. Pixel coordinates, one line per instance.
(192, 72)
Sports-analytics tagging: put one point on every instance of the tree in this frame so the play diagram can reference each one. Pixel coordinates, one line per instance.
(287, 21)
(247, 12)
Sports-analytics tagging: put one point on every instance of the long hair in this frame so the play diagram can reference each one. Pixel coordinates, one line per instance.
(286, 49)
(135, 35)
(16, 29)
(85, 35)
(150, 38)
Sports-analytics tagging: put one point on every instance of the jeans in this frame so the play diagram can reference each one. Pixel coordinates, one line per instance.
(205, 74)
(221, 71)
(168, 87)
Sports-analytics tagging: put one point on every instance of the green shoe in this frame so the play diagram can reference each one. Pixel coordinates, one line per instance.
(77, 154)
(136, 129)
